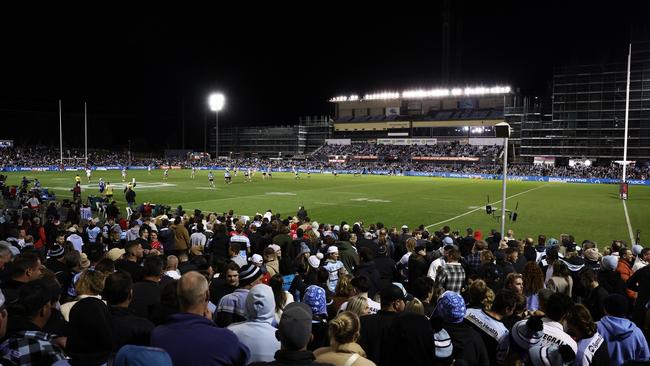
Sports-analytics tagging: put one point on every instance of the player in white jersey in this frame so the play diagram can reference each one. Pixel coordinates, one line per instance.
(269, 172)
(211, 179)
(226, 177)
(193, 172)
(124, 174)
(166, 174)
(88, 173)
(149, 169)
(296, 175)
(247, 175)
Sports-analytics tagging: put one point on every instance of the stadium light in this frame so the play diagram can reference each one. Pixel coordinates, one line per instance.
(426, 93)
(216, 102)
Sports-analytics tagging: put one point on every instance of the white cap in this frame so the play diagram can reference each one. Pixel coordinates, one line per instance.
(314, 261)
(257, 259)
(346, 227)
(336, 228)
(275, 247)
(405, 227)
(332, 249)
(367, 235)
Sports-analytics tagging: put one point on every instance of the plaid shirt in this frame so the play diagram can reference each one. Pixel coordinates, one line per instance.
(31, 348)
(452, 277)
(474, 262)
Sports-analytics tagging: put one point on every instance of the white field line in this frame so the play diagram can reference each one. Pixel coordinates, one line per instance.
(629, 225)
(481, 207)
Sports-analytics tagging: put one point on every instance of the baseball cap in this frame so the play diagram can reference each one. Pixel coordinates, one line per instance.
(636, 249)
(336, 228)
(346, 227)
(275, 247)
(405, 227)
(295, 326)
(115, 254)
(257, 259)
(332, 249)
(609, 262)
(447, 241)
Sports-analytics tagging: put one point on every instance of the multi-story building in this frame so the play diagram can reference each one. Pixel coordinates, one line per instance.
(274, 141)
(588, 112)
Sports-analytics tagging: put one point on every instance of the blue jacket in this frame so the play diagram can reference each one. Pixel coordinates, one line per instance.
(625, 340)
(257, 333)
(194, 340)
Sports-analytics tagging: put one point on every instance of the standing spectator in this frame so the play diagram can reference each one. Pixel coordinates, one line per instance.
(198, 238)
(368, 269)
(28, 344)
(468, 344)
(452, 276)
(334, 267)
(316, 298)
(533, 282)
(515, 283)
(257, 332)
(474, 259)
(347, 252)
(624, 269)
(294, 333)
(592, 348)
(132, 260)
(181, 236)
(167, 236)
(190, 337)
(146, 293)
(386, 267)
(232, 307)
(24, 269)
(625, 341)
(127, 327)
(467, 243)
(225, 284)
(489, 322)
(90, 284)
(609, 278)
(91, 340)
(561, 280)
(417, 263)
(596, 294)
(343, 349)
(642, 259)
(640, 282)
(375, 336)
(75, 239)
(555, 308)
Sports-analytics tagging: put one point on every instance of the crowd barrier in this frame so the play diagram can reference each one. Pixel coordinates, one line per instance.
(521, 178)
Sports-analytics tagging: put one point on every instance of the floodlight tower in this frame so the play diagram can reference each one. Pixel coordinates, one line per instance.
(216, 102)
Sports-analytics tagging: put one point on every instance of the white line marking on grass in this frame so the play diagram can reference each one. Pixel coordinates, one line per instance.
(480, 208)
(629, 226)
(280, 194)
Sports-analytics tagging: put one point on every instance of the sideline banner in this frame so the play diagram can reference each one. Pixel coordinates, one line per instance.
(520, 178)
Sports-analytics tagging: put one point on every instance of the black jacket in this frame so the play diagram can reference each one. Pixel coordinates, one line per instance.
(640, 282)
(612, 282)
(146, 295)
(129, 328)
(370, 271)
(468, 344)
(387, 270)
(375, 336)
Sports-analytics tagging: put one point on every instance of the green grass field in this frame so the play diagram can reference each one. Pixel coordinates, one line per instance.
(586, 211)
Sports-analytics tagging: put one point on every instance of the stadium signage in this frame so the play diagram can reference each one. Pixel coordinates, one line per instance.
(445, 158)
(426, 93)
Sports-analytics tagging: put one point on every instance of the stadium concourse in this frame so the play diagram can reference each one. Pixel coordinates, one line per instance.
(223, 289)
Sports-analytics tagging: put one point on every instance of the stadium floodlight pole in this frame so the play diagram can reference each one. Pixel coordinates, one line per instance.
(60, 134)
(503, 193)
(216, 102)
(503, 130)
(627, 114)
(86, 135)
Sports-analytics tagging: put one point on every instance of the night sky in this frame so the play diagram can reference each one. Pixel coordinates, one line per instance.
(139, 65)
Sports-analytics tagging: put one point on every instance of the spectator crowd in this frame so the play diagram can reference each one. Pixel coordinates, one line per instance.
(197, 288)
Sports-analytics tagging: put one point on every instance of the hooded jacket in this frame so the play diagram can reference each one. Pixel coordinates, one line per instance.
(181, 237)
(258, 333)
(625, 340)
